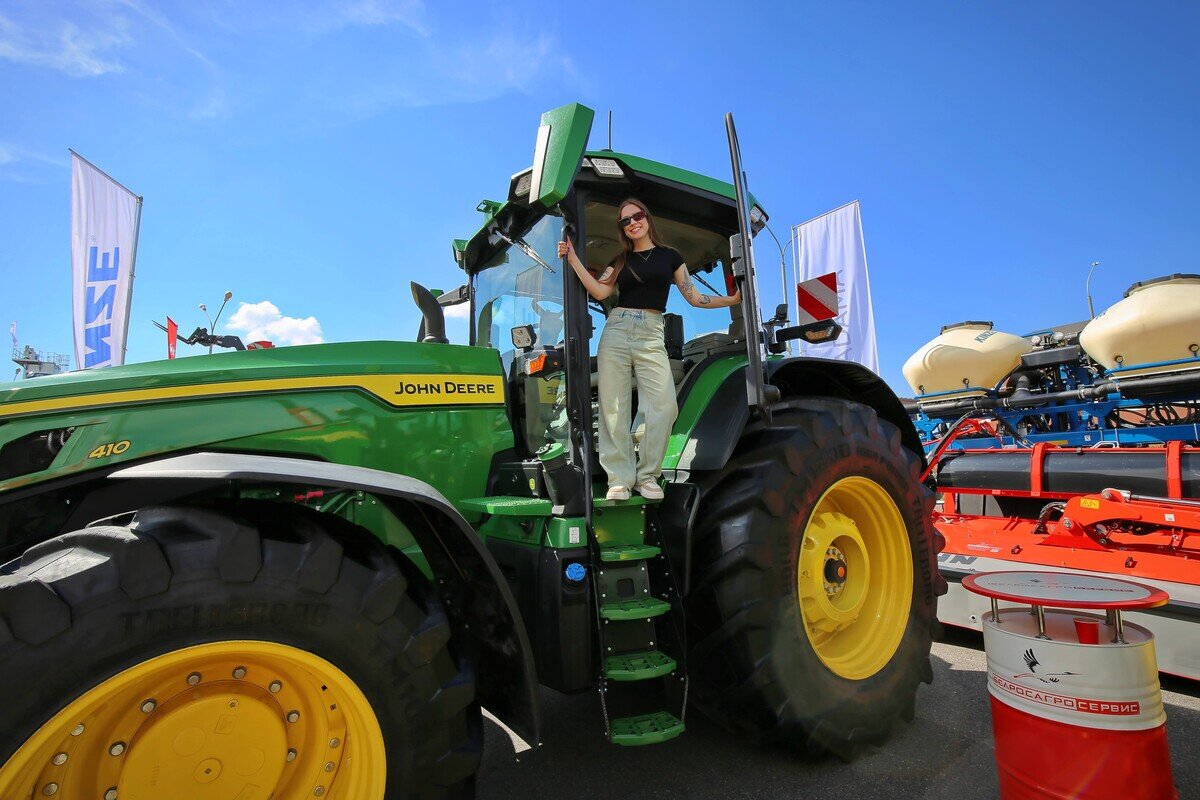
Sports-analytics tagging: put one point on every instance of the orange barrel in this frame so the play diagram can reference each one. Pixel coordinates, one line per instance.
(1073, 719)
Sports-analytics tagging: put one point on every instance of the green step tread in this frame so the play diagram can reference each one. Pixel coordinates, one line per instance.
(640, 608)
(655, 728)
(507, 506)
(639, 666)
(628, 552)
(600, 501)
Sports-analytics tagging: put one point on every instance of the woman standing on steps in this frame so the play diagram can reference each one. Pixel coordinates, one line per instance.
(632, 344)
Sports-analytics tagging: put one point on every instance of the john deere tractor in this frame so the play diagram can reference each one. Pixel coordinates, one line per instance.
(302, 572)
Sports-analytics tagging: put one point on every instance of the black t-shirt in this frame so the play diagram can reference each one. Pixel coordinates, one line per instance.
(646, 279)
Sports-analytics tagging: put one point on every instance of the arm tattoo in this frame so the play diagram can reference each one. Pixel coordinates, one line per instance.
(689, 290)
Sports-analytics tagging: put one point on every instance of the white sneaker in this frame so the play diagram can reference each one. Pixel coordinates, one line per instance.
(650, 489)
(617, 493)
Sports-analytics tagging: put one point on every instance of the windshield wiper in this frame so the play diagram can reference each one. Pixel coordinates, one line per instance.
(707, 285)
(524, 247)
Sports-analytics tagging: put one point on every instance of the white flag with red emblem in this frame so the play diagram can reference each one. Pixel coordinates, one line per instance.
(832, 245)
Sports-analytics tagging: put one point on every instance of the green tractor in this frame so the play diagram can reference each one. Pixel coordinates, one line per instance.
(303, 572)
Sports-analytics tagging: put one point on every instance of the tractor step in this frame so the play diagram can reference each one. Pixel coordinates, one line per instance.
(600, 501)
(506, 506)
(642, 608)
(640, 666)
(628, 552)
(655, 728)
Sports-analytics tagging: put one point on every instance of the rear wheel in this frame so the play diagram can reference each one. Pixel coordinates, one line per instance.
(263, 651)
(814, 597)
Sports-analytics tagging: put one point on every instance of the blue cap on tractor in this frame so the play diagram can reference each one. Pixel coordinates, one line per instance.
(576, 572)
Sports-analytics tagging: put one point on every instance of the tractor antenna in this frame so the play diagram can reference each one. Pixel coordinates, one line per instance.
(1091, 311)
(610, 130)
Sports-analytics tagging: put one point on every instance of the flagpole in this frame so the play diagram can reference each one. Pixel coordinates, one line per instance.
(137, 230)
(796, 275)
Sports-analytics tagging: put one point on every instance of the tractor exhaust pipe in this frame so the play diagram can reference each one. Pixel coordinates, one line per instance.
(433, 321)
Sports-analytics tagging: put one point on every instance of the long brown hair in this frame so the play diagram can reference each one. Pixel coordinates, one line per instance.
(622, 260)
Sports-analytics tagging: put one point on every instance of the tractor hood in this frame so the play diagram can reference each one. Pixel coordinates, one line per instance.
(250, 370)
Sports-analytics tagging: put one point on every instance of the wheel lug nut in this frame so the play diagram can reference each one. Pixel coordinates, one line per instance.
(77, 730)
(60, 759)
(193, 679)
(320, 790)
(329, 766)
(116, 749)
(291, 755)
(293, 716)
(50, 788)
(275, 687)
(239, 673)
(334, 742)
(149, 706)
(111, 794)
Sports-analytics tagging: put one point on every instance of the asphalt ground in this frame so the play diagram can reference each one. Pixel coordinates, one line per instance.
(945, 753)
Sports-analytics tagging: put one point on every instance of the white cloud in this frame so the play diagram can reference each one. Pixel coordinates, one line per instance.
(460, 311)
(458, 323)
(264, 321)
(410, 13)
(21, 165)
(60, 45)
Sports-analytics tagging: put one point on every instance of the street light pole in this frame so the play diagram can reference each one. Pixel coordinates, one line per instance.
(1091, 311)
(228, 297)
(782, 273)
(204, 308)
(212, 323)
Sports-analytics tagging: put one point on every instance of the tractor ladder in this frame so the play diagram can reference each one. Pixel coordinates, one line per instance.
(640, 625)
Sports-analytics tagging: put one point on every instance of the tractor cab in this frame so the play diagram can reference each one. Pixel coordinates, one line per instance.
(527, 304)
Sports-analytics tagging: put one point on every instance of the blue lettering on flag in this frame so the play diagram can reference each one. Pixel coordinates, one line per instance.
(94, 306)
(104, 272)
(96, 340)
(98, 306)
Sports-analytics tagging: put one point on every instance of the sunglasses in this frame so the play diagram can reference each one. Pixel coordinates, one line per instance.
(625, 222)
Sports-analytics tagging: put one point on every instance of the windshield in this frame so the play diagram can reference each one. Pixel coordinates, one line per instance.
(513, 290)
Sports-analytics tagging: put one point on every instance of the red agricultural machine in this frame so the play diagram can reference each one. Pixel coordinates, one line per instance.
(1073, 448)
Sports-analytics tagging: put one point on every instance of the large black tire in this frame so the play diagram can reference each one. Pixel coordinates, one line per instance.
(753, 667)
(82, 607)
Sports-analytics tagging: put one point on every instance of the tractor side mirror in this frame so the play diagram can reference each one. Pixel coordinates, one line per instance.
(522, 337)
(454, 297)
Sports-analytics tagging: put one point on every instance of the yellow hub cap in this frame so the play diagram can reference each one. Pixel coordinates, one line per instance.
(854, 578)
(226, 721)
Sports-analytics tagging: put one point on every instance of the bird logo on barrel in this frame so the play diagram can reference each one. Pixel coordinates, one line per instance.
(1046, 677)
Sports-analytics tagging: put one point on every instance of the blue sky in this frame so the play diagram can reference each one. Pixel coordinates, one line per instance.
(316, 156)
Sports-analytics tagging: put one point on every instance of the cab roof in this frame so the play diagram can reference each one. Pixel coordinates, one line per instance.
(633, 166)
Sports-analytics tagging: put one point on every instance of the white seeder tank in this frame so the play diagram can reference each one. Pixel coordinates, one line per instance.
(1158, 321)
(964, 361)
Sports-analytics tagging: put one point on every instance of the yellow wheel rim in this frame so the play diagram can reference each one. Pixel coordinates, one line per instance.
(854, 578)
(236, 720)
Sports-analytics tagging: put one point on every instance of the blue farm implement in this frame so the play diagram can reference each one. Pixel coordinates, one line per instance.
(1019, 428)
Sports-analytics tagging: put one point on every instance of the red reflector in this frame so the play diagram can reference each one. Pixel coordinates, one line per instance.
(535, 365)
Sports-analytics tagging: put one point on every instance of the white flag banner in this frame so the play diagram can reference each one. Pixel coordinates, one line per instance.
(833, 243)
(104, 231)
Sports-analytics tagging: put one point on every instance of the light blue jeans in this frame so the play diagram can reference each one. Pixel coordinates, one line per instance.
(632, 344)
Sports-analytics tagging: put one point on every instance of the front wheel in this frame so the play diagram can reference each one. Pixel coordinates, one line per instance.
(814, 602)
(253, 652)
